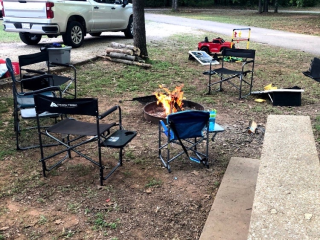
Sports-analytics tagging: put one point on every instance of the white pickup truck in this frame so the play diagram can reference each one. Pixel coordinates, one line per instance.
(72, 19)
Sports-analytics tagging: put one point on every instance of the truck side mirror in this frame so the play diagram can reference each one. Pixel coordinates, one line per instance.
(125, 2)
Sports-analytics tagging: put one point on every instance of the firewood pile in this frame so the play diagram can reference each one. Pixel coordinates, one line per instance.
(122, 53)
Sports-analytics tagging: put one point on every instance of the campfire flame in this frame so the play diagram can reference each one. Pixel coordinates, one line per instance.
(172, 102)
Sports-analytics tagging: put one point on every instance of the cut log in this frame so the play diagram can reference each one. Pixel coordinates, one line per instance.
(145, 65)
(136, 52)
(122, 56)
(117, 45)
(125, 51)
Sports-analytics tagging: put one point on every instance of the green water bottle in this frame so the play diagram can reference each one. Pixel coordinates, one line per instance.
(212, 120)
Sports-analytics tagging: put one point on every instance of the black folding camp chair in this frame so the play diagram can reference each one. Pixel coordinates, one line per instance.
(185, 129)
(72, 134)
(237, 69)
(24, 114)
(28, 69)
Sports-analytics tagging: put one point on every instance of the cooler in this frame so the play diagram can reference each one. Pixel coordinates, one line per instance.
(59, 55)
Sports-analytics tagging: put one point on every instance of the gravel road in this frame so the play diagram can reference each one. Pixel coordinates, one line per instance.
(161, 26)
(93, 46)
(288, 40)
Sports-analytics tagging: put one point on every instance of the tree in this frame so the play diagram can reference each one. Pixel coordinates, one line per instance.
(174, 5)
(139, 36)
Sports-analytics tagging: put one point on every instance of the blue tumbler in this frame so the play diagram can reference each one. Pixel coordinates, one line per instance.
(212, 120)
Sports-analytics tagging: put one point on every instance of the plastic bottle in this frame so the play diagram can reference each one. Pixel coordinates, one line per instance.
(212, 119)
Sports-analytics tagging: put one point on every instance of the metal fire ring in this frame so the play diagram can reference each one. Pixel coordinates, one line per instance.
(148, 108)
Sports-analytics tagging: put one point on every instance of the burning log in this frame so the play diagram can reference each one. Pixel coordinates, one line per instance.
(172, 101)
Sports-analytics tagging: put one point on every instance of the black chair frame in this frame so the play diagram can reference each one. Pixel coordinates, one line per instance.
(76, 130)
(23, 107)
(43, 78)
(226, 75)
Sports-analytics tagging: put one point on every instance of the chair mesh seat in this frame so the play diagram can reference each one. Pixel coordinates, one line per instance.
(226, 71)
(59, 80)
(74, 127)
(238, 74)
(75, 134)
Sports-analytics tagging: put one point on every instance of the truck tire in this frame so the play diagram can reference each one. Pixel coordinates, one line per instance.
(128, 33)
(205, 49)
(30, 39)
(74, 34)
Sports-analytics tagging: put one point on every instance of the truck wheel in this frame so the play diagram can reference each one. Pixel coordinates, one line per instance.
(95, 34)
(205, 49)
(30, 39)
(74, 35)
(129, 30)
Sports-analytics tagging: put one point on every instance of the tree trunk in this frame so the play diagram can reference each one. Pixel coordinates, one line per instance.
(139, 27)
(265, 7)
(276, 6)
(260, 6)
(174, 5)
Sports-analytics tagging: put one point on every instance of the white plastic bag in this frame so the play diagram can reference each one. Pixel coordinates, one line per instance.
(3, 68)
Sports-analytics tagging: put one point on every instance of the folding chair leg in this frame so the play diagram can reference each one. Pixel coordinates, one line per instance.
(240, 88)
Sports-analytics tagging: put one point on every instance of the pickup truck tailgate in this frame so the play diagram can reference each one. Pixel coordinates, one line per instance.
(25, 9)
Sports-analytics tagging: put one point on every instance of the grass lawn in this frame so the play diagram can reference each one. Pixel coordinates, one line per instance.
(142, 200)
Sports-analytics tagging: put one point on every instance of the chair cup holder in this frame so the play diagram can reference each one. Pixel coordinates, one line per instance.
(129, 133)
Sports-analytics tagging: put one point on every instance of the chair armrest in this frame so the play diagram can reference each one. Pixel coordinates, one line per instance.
(59, 64)
(47, 89)
(36, 77)
(54, 64)
(247, 62)
(166, 130)
(111, 110)
(34, 71)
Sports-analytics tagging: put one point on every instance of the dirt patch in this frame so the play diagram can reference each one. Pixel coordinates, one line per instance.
(141, 200)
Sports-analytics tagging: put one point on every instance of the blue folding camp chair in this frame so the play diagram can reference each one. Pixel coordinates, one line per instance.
(186, 129)
(24, 113)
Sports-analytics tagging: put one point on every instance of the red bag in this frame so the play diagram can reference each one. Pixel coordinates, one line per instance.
(16, 69)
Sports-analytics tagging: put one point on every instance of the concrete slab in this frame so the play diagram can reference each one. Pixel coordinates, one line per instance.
(229, 217)
(287, 198)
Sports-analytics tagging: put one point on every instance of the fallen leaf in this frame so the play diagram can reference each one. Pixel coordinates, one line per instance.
(59, 221)
(149, 190)
(195, 172)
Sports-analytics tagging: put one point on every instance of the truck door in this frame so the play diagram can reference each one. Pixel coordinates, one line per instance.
(102, 15)
(119, 14)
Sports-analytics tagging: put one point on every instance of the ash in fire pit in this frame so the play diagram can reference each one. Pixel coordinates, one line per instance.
(154, 112)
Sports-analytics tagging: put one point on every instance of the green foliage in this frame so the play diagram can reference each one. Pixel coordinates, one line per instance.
(303, 3)
(153, 183)
(238, 3)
